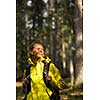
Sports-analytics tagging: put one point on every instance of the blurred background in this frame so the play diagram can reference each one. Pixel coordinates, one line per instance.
(58, 25)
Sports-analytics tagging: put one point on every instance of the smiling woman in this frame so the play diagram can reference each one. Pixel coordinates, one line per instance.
(36, 51)
(42, 80)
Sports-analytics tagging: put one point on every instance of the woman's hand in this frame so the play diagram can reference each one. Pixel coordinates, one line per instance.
(48, 78)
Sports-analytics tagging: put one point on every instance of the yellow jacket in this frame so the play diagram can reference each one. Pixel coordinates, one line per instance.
(39, 91)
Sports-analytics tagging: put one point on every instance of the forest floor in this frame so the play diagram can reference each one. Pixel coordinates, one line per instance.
(65, 94)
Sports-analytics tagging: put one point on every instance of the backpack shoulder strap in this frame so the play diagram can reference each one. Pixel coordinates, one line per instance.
(46, 68)
(55, 95)
(27, 87)
(28, 70)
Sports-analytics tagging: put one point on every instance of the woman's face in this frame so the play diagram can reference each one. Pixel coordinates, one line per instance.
(38, 50)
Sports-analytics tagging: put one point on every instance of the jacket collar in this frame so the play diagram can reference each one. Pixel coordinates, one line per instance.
(46, 59)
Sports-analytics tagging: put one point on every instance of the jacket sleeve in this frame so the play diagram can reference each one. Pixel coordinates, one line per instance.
(57, 81)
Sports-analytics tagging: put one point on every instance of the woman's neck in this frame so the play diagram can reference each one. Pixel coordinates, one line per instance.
(34, 59)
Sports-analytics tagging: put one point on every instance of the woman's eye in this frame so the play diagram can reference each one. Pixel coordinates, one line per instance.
(38, 48)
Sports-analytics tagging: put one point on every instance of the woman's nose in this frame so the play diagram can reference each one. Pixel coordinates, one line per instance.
(41, 50)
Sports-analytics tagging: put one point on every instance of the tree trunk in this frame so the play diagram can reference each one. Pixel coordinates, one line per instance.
(53, 28)
(79, 41)
(27, 32)
(71, 72)
(72, 78)
(63, 55)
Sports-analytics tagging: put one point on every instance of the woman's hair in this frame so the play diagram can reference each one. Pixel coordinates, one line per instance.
(32, 46)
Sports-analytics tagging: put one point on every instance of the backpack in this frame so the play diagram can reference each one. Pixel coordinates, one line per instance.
(55, 95)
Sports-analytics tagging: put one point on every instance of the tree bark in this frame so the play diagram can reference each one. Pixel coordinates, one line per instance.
(79, 42)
